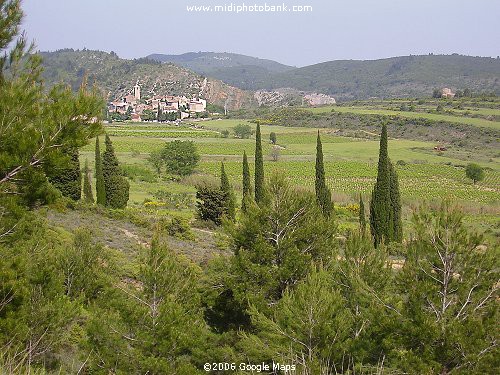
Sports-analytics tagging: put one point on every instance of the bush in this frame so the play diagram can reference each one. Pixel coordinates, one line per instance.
(243, 131)
(136, 172)
(210, 203)
(179, 227)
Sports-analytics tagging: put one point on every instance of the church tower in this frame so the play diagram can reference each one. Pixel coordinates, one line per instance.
(137, 92)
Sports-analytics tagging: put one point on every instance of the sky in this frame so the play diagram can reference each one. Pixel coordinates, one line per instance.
(333, 30)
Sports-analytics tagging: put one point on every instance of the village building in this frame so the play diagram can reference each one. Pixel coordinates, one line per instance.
(120, 107)
(129, 99)
(447, 93)
(197, 106)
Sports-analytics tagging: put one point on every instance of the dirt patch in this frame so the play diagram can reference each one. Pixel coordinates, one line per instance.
(120, 235)
(130, 238)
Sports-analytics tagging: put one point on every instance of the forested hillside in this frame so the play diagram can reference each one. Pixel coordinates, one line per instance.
(208, 62)
(405, 76)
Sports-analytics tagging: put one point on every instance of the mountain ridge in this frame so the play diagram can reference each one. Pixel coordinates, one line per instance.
(400, 76)
(236, 86)
(204, 62)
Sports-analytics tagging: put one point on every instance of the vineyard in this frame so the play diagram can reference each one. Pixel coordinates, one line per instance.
(434, 182)
(483, 117)
(350, 161)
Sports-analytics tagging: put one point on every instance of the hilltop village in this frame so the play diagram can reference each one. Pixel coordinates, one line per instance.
(160, 107)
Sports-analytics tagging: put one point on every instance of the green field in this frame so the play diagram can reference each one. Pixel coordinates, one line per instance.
(350, 156)
(350, 162)
(429, 116)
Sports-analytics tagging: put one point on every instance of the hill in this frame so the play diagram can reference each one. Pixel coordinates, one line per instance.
(245, 72)
(407, 76)
(207, 62)
(116, 77)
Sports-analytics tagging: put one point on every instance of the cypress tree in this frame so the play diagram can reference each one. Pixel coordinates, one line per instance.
(99, 178)
(67, 178)
(380, 205)
(323, 195)
(87, 187)
(247, 188)
(397, 224)
(159, 115)
(116, 186)
(259, 167)
(362, 218)
(228, 193)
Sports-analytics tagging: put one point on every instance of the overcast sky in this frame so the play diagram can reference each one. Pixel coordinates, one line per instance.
(335, 29)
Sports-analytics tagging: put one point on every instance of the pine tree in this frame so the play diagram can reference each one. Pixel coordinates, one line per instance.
(227, 191)
(247, 188)
(362, 218)
(87, 187)
(116, 186)
(450, 307)
(99, 178)
(259, 167)
(397, 225)
(323, 195)
(380, 205)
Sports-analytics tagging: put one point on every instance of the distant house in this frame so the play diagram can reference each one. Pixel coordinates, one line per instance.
(141, 107)
(130, 99)
(447, 93)
(119, 107)
(170, 109)
(197, 106)
(135, 117)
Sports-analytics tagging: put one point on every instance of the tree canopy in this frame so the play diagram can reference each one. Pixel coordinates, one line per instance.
(180, 157)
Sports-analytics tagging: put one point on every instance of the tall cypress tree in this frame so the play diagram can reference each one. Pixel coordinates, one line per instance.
(247, 188)
(397, 224)
(159, 115)
(67, 178)
(228, 193)
(116, 185)
(99, 178)
(323, 195)
(380, 205)
(259, 167)
(362, 218)
(87, 187)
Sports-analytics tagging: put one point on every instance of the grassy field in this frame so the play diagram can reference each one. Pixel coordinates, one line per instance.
(350, 163)
(295, 144)
(430, 116)
(350, 166)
